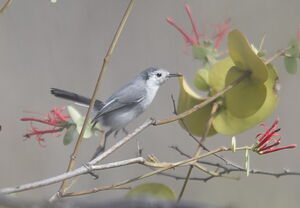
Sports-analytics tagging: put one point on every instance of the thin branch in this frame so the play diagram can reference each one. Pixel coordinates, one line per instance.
(5, 6)
(167, 167)
(227, 170)
(79, 171)
(93, 99)
(199, 148)
(276, 55)
(204, 103)
(71, 174)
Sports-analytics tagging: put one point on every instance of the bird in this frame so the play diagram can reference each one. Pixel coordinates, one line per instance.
(125, 104)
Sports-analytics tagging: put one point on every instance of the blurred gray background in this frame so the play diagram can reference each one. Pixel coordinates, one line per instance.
(62, 45)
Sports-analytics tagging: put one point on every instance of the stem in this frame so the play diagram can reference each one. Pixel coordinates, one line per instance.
(200, 147)
(5, 6)
(276, 55)
(103, 69)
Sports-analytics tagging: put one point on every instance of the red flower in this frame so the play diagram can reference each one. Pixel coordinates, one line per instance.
(268, 140)
(55, 119)
(298, 34)
(196, 36)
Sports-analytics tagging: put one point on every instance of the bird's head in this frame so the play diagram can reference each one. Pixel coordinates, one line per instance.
(157, 76)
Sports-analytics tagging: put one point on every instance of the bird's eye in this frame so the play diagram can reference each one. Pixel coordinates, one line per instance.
(158, 74)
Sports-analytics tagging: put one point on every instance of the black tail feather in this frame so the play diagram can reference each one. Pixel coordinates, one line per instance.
(74, 97)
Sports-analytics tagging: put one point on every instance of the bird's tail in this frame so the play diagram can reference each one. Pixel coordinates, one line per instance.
(74, 97)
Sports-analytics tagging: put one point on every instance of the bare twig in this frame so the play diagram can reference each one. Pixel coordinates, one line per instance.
(198, 151)
(103, 69)
(71, 174)
(227, 170)
(5, 6)
(79, 171)
(276, 55)
(167, 166)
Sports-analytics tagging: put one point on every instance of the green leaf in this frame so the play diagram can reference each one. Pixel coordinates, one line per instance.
(218, 72)
(78, 120)
(75, 115)
(228, 124)
(291, 64)
(88, 130)
(245, 58)
(294, 50)
(201, 80)
(207, 55)
(247, 97)
(195, 122)
(70, 135)
(153, 190)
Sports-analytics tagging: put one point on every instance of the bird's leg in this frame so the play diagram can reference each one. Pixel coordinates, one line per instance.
(125, 131)
(116, 133)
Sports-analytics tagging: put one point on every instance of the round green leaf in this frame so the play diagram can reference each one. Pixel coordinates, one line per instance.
(245, 58)
(70, 135)
(217, 74)
(154, 190)
(245, 98)
(291, 64)
(195, 122)
(201, 80)
(228, 124)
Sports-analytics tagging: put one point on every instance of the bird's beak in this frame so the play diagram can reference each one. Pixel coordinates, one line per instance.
(174, 75)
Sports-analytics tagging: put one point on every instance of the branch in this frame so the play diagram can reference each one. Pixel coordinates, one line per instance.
(199, 148)
(276, 55)
(5, 6)
(167, 166)
(227, 170)
(81, 170)
(93, 99)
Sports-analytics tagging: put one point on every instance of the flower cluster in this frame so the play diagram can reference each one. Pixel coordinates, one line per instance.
(195, 37)
(56, 121)
(269, 140)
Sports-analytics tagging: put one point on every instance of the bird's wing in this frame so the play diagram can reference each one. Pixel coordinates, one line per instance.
(125, 97)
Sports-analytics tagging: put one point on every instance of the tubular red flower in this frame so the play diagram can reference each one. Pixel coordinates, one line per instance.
(185, 36)
(195, 28)
(268, 140)
(222, 32)
(54, 119)
(291, 146)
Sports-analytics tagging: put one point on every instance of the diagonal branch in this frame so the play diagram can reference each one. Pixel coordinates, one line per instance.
(198, 151)
(93, 99)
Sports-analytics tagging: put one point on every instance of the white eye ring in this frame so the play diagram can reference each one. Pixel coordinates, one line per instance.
(158, 74)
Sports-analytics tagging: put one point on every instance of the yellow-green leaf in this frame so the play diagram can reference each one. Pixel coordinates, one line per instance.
(154, 190)
(78, 120)
(245, 58)
(201, 79)
(70, 135)
(195, 122)
(217, 74)
(247, 97)
(291, 64)
(228, 124)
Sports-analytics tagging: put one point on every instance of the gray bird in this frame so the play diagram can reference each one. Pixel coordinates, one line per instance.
(125, 104)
